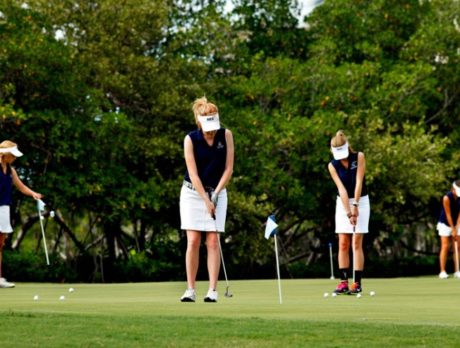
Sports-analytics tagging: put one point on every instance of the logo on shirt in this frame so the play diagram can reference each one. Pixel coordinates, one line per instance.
(220, 145)
(354, 165)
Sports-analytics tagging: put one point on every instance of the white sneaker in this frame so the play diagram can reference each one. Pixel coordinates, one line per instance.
(457, 274)
(5, 284)
(443, 275)
(211, 296)
(188, 296)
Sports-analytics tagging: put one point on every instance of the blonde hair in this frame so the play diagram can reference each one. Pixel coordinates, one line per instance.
(338, 139)
(202, 107)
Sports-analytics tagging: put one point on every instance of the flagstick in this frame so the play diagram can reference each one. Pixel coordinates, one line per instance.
(278, 269)
(332, 263)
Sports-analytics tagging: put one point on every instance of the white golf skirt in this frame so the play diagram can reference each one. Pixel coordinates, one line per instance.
(194, 215)
(444, 230)
(5, 224)
(342, 222)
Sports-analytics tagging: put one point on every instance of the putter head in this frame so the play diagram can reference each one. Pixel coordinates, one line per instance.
(228, 294)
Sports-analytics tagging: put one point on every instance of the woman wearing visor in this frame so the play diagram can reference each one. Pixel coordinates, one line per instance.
(448, 227)
(209, 156)
(8, 176)
(352, 210)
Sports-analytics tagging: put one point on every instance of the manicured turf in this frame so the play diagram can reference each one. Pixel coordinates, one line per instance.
(416, 312)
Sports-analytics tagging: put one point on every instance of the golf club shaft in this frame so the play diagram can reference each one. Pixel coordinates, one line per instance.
(353, 250)
(223, 262)
(456, 256)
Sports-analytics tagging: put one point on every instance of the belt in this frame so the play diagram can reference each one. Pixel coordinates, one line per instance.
(190, 186)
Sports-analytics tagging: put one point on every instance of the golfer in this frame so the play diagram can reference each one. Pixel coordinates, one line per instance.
(352, 209)
(209, 157)
(448, 227)
(8, 176)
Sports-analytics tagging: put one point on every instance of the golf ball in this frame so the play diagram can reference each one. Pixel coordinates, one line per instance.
(326, 294)
(62, 298)
(71, 289)
(52, 213)
(36, 298)
(372, 293)
(334, 294)
(358, 296)
(42, 217)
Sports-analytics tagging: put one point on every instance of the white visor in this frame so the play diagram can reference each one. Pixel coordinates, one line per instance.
(456, 188)
(340, 152)
(209, 122)
(12, 150)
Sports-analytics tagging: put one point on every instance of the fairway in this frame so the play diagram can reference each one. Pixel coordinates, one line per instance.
(404, 312)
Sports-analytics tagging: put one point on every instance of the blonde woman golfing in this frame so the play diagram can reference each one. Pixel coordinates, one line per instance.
(8, 153)
(209, 157)
(352, 210)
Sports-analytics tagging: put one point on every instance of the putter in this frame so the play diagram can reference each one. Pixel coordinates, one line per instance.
(227, 292)
(353, 249)
(456, 255)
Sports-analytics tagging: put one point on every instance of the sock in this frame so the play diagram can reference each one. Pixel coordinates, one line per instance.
(358, 276)
(343, 274)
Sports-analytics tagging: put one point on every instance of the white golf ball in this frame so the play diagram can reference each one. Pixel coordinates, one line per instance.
(372, 293)
(52, 213)
(334, 294)
(71, 289)
(42, 217)
(358, 296)
(62, 298)
(36, 298)
(326, 294)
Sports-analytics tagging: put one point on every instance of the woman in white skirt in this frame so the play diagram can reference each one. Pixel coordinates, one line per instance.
(448, 227)
(209, 155)
(352, 210)
(8, 176)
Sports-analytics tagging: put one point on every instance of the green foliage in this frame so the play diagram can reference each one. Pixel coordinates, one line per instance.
(98, 95)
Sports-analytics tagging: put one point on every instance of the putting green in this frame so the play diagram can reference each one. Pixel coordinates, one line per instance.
(153, 311)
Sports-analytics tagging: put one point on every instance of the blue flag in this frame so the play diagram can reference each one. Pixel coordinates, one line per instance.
(271, 227)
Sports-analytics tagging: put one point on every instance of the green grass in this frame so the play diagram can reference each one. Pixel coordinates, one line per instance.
(415, 312)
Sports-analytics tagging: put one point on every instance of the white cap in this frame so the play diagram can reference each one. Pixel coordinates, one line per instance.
(209, 122)
(340, 152)
(456, 188)
(13, 150)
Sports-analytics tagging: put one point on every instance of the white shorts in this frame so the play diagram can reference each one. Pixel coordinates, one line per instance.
(194, 215)
(444, 230)
(342, 222)
(5, 224)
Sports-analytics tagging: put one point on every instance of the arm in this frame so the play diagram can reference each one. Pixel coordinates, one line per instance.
(342, 191)
(22, 187)
(193, 174)
(446, 206)
(359, 181)
(229, 162)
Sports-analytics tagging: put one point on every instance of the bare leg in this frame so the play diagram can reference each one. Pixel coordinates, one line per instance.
(443, 253)
(358, 250)
(212, 244)
(2, 244)
(192, 257)
(344, 248)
